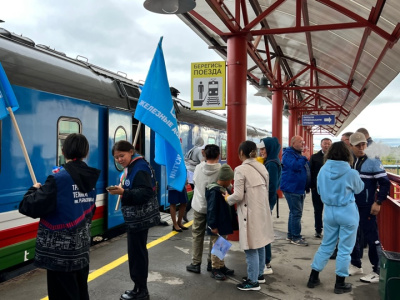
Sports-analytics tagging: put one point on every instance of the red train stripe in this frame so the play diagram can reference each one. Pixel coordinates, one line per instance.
(26, 232)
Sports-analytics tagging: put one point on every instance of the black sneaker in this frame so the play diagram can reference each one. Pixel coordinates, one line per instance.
(249, 286)
(227, 271)
(193, 268)
(209, 266)
(260, 279)
(217, 274)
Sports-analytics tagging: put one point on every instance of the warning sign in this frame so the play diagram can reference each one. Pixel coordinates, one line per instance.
(208, 85)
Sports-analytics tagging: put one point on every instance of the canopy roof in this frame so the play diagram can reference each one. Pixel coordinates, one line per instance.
(328, 57)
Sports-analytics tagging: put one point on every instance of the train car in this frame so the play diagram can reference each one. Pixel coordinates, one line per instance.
(59, 95)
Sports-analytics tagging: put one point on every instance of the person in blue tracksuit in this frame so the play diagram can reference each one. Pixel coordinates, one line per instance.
(337, 183)
(368, 202)
(65, 204)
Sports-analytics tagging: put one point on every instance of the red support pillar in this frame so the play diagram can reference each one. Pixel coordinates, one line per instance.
(236, 119)
(277, 107)
(237, 102)
(292, 124)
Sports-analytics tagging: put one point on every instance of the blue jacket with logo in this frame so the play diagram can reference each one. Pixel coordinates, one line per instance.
(373, 175)
(65, 204)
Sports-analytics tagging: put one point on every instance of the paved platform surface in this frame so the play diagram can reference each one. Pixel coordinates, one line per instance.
(168, 279)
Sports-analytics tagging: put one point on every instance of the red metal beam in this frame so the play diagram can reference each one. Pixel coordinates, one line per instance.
(263, 15)
(359, 19)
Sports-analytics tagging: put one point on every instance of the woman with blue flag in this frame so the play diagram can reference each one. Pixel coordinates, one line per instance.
(65, 204)
(140, 210)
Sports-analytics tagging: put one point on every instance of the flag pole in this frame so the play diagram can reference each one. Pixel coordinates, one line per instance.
(21, 141)
(134, 146)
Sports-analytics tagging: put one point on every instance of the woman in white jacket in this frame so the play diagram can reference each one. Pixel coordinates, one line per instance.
(255, 223)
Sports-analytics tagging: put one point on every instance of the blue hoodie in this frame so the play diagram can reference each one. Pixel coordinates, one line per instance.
(274, 168)
(337, 183)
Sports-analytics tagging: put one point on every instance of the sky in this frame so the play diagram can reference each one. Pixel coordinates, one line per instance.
(121, 36)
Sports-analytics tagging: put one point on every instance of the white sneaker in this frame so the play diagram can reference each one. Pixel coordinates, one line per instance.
(268, 270)
(370, 278)
(353, 270)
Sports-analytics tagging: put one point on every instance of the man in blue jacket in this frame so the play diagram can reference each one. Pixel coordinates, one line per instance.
(369, 203)
(295, 181)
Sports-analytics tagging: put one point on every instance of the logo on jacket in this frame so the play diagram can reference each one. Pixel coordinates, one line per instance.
(127, 182)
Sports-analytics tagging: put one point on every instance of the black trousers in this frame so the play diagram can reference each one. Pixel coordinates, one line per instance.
(138, 258)
(68, 285)
(318, 209)
(368, 229)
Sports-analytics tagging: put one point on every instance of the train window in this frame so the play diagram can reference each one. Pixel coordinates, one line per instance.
(211, 140)
(65, 127)
(184, 135)
(120, 135)
(223, 149)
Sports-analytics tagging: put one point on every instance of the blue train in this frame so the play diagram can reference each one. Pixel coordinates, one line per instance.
(59, 95)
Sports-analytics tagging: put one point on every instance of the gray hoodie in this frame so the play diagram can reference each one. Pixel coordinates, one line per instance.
(204, 174)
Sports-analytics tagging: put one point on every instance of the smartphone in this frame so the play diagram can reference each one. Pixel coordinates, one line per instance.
(112, 187)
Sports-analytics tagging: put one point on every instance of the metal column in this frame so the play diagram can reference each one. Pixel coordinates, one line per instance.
(237, 102)
(277, 107)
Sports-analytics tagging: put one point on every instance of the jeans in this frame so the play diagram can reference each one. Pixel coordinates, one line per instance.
(295, 202)
(340, 222)
(255, 259)
(268, 254)
(318, 208)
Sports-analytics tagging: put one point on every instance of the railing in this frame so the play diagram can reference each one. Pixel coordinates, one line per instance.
(389, 217)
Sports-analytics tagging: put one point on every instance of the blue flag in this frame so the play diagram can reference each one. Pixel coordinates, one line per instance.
(7, 96)
(155, 109)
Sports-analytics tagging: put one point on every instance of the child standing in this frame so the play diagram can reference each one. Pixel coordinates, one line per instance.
(219, 217)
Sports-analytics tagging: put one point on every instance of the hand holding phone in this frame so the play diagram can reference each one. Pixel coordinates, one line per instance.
(112, 187)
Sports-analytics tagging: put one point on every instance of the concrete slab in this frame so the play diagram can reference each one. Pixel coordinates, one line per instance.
(168, 278)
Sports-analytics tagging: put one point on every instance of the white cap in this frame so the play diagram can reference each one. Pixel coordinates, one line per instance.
(261, 145)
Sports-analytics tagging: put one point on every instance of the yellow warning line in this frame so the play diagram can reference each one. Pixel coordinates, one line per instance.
(124, 258)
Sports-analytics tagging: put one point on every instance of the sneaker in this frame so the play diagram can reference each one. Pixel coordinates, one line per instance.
(227, 271)
(370, 278)
(268, 270)
(318, 235)
(260, 279)
(249, 286)
(299, 242)
(353, 270)
(289, 239)
(193, 268)
(209, 266)
(217, 274)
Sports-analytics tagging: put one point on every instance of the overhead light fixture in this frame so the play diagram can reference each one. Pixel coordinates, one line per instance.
(169, 7)
(264, 91)
(285, 111)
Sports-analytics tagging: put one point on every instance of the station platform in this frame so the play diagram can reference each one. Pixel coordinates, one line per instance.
(170, 252)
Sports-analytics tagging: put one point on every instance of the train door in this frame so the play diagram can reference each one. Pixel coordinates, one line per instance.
(119, 128)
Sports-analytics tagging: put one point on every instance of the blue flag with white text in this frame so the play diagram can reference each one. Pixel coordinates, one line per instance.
(7, 96)
(155, 109)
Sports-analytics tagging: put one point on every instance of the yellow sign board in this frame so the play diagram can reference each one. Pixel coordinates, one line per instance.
(208, 85)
